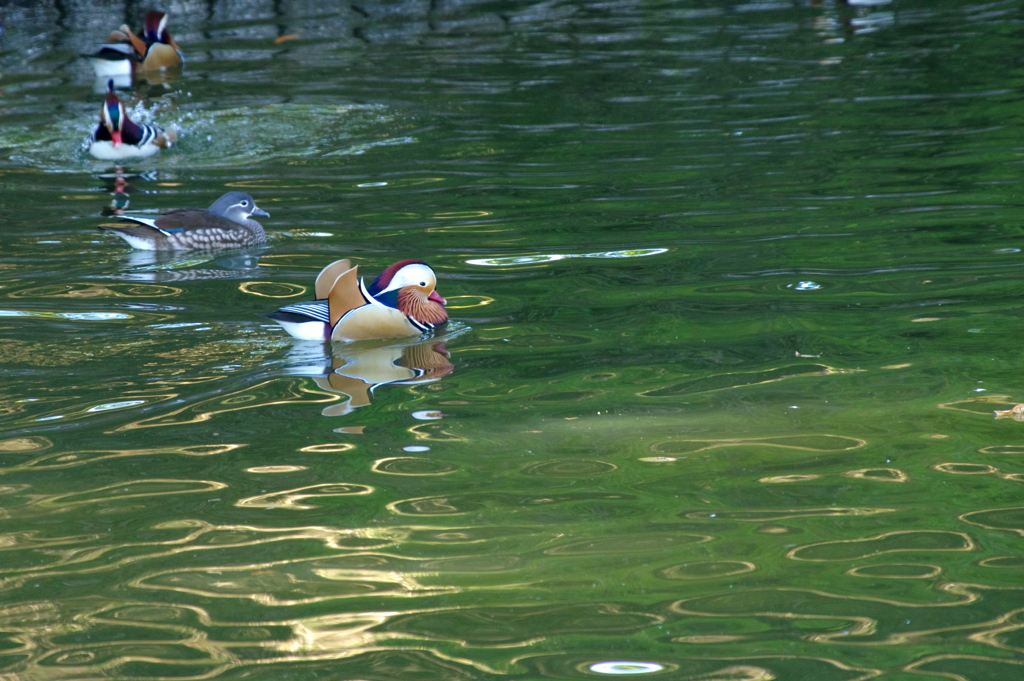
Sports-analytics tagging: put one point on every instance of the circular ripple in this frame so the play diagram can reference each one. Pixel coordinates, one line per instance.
(77, 657)
(879, 474)
(98, 291)
(271, 289)
(411, 465)
(158, 613)
(707, 569)
(207, 450)
(1014, 562)
(620, 667)
(966, 468)
(25, 444)
(776, 479)
(330, 447)
(465, 302)
(628, 544)
(896, 571)
(710, 638)
(1003, 449)
(275, 469)
(569, 468)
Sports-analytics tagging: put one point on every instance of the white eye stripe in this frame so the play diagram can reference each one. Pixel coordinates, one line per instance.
(416, 274)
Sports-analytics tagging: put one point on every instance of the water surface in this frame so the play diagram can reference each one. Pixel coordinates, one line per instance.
(734, 290)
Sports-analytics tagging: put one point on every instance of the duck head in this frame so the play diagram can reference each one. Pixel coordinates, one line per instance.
(236, 206)
(411, 287)
(113, 116)
(155, 29)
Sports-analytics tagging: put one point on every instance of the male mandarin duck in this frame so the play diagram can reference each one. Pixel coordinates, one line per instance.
(117, 137)
(125, 53)
(402, 301)
(224, 224)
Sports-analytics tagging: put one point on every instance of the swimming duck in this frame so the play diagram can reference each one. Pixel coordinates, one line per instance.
(125, 53)
(402, 301)
(117, 137)
(226, 223)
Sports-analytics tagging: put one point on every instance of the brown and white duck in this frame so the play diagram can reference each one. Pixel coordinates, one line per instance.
(402, 301)
(125, 53)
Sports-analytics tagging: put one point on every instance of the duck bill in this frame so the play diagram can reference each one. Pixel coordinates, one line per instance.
(115, 137)
(436, 297)
(261, 212)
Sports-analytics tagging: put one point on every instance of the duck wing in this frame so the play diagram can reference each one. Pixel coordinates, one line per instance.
(179, 221)
(300, 313)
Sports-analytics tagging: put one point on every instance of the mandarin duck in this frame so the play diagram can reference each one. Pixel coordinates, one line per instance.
(224, 224)
(401, 302)
(125, 53)
(117, 137)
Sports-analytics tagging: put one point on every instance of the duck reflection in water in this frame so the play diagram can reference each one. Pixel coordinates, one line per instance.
(121, 185)
(169, 266)
(358, 370)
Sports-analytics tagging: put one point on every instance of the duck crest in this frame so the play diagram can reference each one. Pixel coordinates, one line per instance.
(384, 280)
(155, 28)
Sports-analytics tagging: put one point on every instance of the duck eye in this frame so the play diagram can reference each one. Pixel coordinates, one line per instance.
(244, 203)
(423, 283)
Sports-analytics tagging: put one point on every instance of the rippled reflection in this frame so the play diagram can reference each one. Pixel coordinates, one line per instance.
(185, 266)
(357, 370)
(535, 259)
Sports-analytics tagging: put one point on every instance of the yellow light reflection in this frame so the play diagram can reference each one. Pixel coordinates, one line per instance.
(85, 291)
(329, 448)
(480, 302)
(898, 541)
(795, 442)
(461, 215)
(268, 393)
(70, 459)
(293, 499)
(271, 289)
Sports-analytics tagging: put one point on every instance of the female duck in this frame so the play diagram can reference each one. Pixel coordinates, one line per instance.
(117, 137)
(402, 301)
(227, 223)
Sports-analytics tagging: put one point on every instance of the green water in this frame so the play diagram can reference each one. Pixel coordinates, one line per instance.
(735, 295)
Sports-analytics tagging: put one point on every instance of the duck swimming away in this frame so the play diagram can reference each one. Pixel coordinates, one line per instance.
(117, 137)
